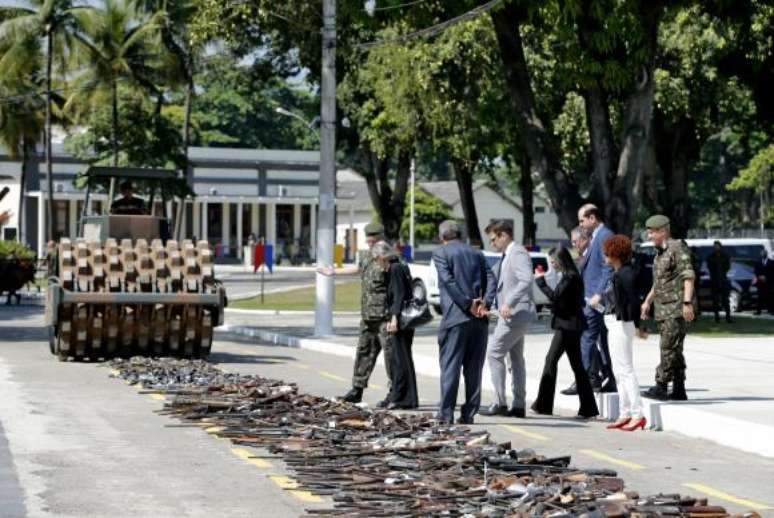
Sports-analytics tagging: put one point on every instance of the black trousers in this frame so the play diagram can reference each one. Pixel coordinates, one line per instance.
(565, 342)
(720, 293)
(404, 379)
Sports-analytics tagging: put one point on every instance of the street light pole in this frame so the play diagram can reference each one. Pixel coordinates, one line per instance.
(411, 219)
(323, 312)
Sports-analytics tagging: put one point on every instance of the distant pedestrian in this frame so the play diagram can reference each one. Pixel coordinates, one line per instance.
(467, 291)
(515, 312)
(568, 323)
(622, 318)
(403, 394)
(674, 296)
(718, 264)
(764, 283)
(373, 316)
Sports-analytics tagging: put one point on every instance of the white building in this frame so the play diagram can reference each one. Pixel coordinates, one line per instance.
(270, 194)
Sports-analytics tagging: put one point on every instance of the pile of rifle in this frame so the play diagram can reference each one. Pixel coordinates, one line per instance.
(377, 463)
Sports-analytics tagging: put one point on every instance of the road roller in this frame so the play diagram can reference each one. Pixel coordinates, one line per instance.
(124, 287)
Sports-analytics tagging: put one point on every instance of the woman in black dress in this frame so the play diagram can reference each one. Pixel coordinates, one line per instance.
(403, 394)
(567, 322)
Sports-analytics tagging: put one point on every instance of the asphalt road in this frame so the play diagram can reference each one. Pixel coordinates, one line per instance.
(75, 442)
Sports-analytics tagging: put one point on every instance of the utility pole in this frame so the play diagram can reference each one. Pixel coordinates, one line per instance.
(323, 310)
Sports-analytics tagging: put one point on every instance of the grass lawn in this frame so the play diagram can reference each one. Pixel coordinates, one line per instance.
(742, 326)
(347, 299)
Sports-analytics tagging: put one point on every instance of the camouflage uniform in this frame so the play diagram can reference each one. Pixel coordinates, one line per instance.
(671, 267)
(373, 323)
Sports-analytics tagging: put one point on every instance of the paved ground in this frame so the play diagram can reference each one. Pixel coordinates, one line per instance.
(82, 444)
(730, 377)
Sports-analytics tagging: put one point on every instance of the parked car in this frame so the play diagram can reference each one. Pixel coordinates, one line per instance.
(743, 253)
(426, 277)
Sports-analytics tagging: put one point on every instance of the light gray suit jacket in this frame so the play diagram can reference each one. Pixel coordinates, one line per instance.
(514, 285)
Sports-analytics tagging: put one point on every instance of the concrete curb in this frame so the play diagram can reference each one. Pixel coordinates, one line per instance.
(673, 416)
(280, 312)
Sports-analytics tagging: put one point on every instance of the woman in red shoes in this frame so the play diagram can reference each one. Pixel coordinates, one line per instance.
(622, 318)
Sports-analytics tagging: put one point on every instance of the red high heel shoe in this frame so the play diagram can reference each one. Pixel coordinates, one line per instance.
(639, 423)
(619, 424)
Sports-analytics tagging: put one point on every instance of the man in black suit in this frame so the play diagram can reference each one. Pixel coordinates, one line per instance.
(764, 281)
(467, 290)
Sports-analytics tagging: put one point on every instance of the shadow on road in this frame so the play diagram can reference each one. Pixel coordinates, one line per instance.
(231, 358)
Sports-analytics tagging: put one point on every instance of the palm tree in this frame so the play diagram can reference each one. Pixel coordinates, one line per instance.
(176, 16)
(21, 111)
(58, 23)
(122, 47)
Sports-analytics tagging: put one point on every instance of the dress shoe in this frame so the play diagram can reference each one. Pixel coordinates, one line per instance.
(463, 420)
(618, 424)
(384, 403)
(582, 417)
(494, 410)
(632, 426)
(517, 412)
(538, 411)
(355, 395)
(442, 420)
(572, 390)
(657, 391)
(678, 391)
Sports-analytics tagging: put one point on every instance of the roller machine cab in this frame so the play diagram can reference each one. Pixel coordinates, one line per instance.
(125, 288)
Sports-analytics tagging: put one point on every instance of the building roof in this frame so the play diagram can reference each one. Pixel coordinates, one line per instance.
(354, 194)
(448, 192)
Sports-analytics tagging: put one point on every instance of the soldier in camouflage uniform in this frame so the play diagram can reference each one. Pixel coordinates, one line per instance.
(373, 317)
(674, 296)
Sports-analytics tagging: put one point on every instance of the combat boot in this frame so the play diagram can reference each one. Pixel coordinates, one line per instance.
(678, 391)
(355, 395)
(657, 391)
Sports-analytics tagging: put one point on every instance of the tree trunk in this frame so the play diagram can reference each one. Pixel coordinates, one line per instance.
(389, 203)
(536, 138)
(49, 159)
(463, 173)
(22, 237)
(113, 135)
(526, 188)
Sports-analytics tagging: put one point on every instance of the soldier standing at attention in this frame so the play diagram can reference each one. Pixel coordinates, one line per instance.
(373, 316)
(673, 294)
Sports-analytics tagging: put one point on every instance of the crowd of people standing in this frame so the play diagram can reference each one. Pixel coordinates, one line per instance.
(597, 309)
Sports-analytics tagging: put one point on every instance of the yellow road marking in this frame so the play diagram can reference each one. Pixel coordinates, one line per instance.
(158, 397)
(301, 366)
(214, 429)
(608, 458)
(115, 372)
(716, 493)
(376, 386)
(329, 375)
(246, 456)
(288, 483)
(525, 433)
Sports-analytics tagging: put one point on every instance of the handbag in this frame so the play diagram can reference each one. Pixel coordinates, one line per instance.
(415, 311)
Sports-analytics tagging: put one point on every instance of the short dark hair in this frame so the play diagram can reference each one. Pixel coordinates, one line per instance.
(500, 226)
(126, 185)
(717, 243)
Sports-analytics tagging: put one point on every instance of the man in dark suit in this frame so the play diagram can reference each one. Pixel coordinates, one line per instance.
(467, 290)
(596, 274)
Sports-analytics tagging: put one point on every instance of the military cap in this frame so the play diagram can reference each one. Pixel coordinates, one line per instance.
(374, 229)
(657, 221)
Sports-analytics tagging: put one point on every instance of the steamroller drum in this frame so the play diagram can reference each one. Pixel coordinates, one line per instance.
(177, 302)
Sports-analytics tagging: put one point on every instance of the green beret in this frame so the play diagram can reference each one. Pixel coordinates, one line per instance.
(657, 221)
(374, 229)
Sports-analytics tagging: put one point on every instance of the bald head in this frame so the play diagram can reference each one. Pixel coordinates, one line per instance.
(589, 217)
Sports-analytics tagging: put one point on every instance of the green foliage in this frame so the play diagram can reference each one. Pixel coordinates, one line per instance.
(759, 173)
(429, 212)
(15, 250)
(145, 138)
(236, 107)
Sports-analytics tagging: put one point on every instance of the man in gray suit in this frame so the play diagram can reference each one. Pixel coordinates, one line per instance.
(516, 310)
(467, 289)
